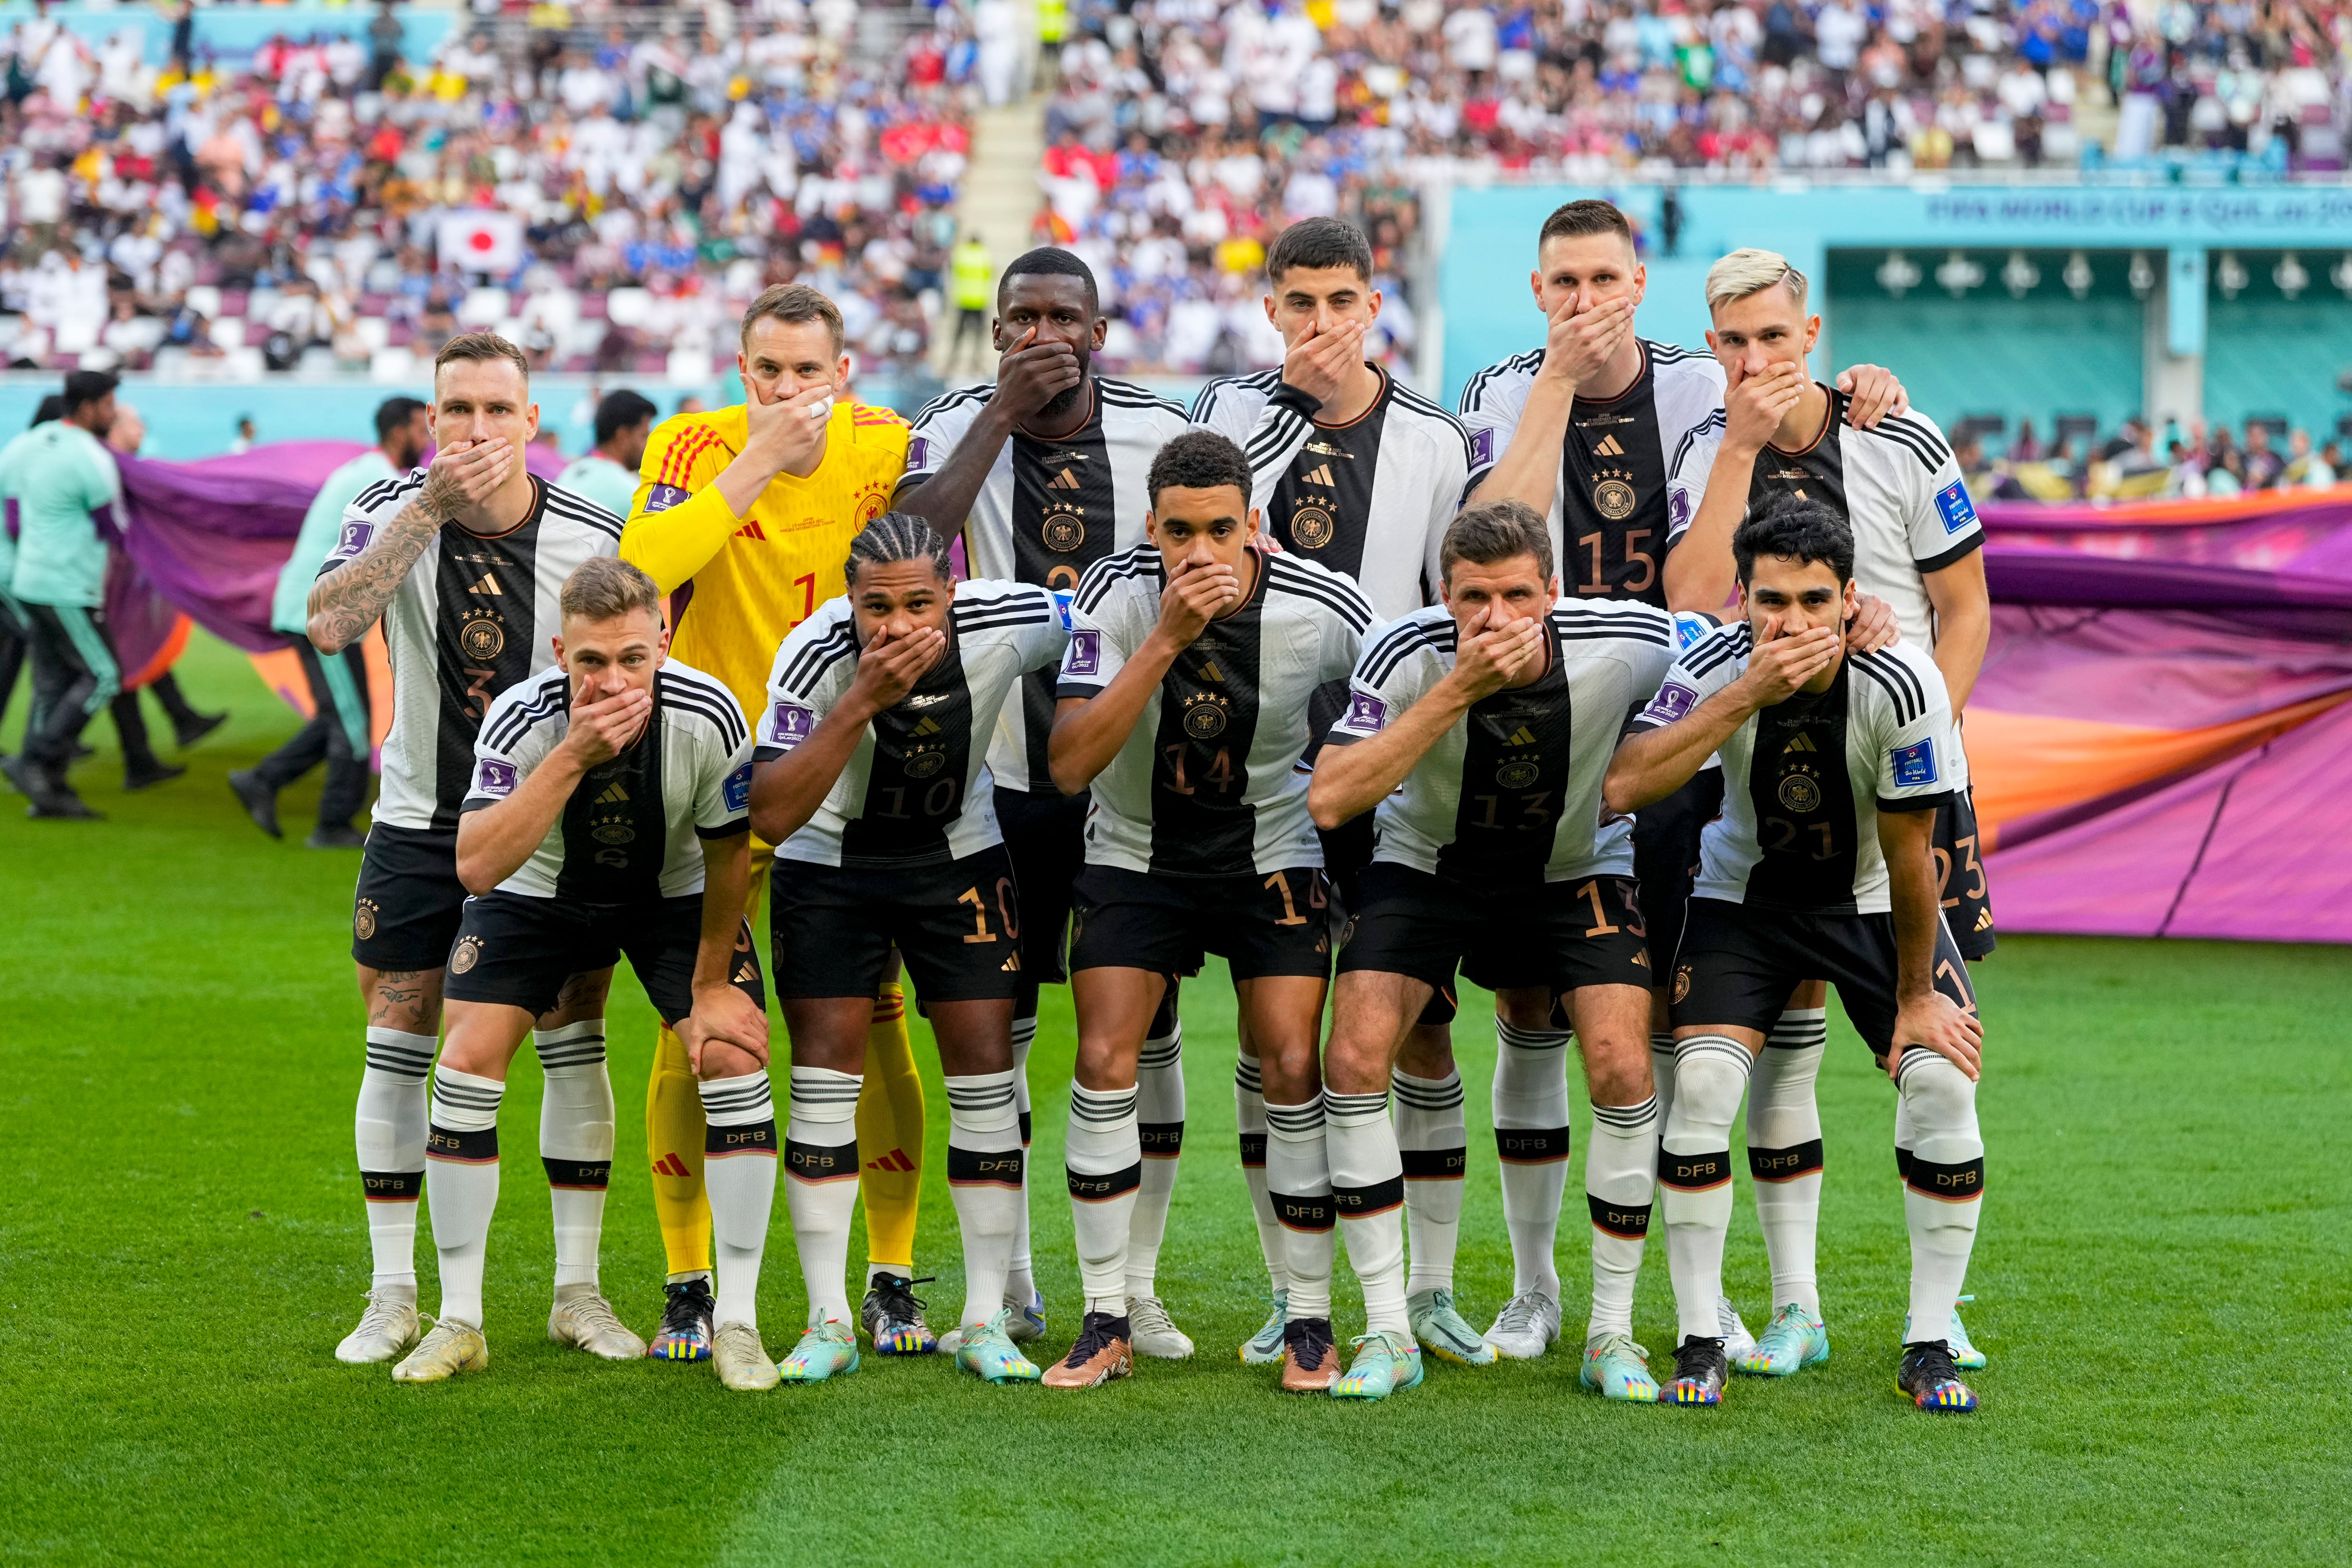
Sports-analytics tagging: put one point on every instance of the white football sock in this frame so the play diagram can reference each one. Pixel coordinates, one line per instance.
(1160, 1124)
(984, 1179)
(461, 1174)
(1104, 1155)
(1531, 1148)
(1020, 1275)
(1249, 1115)
(1619, 1177)
(1946, 1185)
(821, 1191)
(1366, 1190)
(575, 1145)
(1299, 1184)
(1694, 1177)
(738, 1171)
(388, 1133)
(1784, 1151)
(1432, 1145)
(1662, 1074)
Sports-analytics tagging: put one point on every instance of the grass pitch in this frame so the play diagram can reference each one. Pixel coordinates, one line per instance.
(2160, 1283)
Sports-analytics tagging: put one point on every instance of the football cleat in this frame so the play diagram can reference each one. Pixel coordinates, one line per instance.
(1965, 1354)
(1265, 1347)
(1442, 1331)
(1931, 1380)
(685, 1332)
(1526, 1327)
(589, 1322)
(1105, 1350)
(386, 1331)
(1736, 1341)
(1794, 1340)
(1698, 1373)
(1617, 1368)
(451, 1348)
(987, 1353)
(1386, 1363)
(1156, 1333)
(1310, 1362)
(741, 1361)
(1027, 1324)
(826, 1349)
(893, 1316)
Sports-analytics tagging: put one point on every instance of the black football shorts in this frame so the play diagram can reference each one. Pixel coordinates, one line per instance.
(409, 904)
(519, 950)
(1045, 835)
(1960, 877)
(957, 924)
(1278, 923)
(1738, 963)
(1559, 935)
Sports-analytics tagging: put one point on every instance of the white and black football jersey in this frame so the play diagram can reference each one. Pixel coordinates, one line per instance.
(1208, 783)
(633, 826)
(1896, 485)
(1511, 795)
(1369, 499)
(1610, 524)
(917, 790)
(1048, 510)
(473, 617)
(1804, 780)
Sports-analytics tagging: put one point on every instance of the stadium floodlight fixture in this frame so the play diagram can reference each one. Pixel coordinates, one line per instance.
(2341, 275)
(1898, 274)
(2230, 275)
(2019, 275)
(2077, 277)
(2143, 274)
(1958, 274)
(2290, 276)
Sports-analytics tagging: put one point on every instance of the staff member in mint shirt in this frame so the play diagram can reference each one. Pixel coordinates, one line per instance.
(16, 631)
(607, 472)
(337, 734)
(64, 477)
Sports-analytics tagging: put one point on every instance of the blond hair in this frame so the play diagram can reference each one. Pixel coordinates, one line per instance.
(795, 304)
(604, 588)
(1746, 272)
(481, 347)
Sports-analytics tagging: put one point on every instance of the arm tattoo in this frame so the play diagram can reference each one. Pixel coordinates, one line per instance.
(348, 600)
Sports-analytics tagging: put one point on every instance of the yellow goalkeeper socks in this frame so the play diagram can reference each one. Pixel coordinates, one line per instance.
(674, 1136)
(890, 1137)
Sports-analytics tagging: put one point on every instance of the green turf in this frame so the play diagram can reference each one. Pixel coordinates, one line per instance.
(2160, 1283)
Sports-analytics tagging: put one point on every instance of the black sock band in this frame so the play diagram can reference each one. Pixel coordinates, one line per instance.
(744, 1138)
(986, 1167)
(1531, 1145)
(1309, 1212)
(1953, 1184)
(1089, 1188)
(1694, 1172)
(1784, 1164)
(1434, 1165)
(578, 1175)
(1252, 1150)
(1363, 1202)
(819, 1162)
(391, 1186)
(1630, 1221)
(466, 1148)
(1161, 1139)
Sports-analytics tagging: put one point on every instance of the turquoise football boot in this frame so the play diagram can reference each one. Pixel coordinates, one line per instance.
(1386, 1363)
(1794, 1340)
(1617, 1368)
(825, 1350)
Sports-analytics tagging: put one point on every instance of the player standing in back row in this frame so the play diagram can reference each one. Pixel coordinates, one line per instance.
(1044, 471)
(465, 563)
(1585, 430)
(744, 515)
(1360, 474)
(1918, 546)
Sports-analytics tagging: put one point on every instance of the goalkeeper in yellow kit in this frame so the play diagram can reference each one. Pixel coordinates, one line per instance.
(744, 516)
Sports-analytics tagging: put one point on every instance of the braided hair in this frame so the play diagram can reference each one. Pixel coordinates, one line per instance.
(898, 536)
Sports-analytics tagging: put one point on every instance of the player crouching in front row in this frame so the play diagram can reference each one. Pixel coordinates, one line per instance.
(1834, 765)
(872, 781)
(607, 815)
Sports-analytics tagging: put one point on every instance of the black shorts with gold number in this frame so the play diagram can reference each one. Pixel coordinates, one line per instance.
(409, 904)
(1277, 924)
(1738, 963)
(1665, 860)
(1559, 935)
(519, 950)
(1045, 835)
(1960, 877)
(957, 923)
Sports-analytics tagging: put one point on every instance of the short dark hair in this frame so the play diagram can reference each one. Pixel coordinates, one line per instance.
(1198, 460)
(1050, 261)
(605, 588)
(393, 414)
(900, 536)
(53, 406)
(1576, 219)
(1314, 242)
(84, 387)
(1795, 529)
(622, 410)
(479, 348)
(1496, 531)
(795, 304)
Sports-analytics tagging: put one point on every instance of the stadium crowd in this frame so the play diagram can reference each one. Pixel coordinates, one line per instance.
(659, 173)
(2138, 461)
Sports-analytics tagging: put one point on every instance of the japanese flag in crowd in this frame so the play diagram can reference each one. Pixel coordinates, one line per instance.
(481, 241)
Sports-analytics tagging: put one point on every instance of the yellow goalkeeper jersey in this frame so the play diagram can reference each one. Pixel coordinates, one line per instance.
(738, 584)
